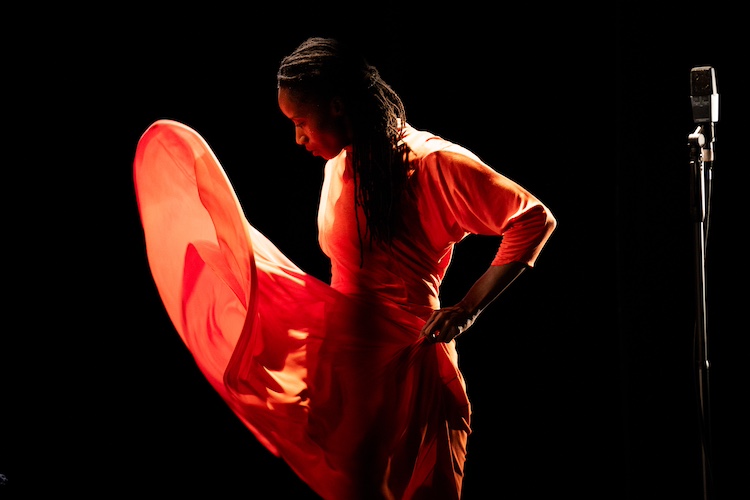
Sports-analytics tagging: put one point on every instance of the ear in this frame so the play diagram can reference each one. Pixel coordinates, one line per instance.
(337, 107)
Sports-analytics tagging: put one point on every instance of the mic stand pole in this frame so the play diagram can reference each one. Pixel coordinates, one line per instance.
(701, 159)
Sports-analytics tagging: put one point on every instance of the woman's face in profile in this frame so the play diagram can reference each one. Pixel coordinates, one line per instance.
(320, 127)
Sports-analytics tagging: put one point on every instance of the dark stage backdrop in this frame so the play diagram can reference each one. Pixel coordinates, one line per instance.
(581, 377)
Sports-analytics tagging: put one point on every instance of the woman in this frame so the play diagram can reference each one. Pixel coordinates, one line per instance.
(355, 384)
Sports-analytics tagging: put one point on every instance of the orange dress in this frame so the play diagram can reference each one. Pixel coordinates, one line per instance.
(332, 378)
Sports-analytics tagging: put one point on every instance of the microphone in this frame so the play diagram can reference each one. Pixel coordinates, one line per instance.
(704, 98)
(703, 94)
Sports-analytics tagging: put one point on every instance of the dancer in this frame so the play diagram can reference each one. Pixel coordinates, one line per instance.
(354, 383)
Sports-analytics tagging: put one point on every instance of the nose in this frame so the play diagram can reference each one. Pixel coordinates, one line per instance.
(301, 138)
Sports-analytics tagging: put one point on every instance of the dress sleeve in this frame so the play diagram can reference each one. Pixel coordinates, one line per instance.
(480, 200)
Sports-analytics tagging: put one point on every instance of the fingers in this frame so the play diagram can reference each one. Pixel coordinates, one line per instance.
(443, 326)
(433, 326)
(444, 335)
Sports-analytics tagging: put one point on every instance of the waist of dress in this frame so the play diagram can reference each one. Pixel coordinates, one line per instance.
(385, 298)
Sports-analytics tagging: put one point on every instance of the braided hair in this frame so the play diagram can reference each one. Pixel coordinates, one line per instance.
(323, 68)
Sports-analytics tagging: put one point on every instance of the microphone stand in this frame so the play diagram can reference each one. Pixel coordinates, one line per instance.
(700, 143)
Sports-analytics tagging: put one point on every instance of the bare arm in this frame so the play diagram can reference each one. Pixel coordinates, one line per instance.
(448, 323)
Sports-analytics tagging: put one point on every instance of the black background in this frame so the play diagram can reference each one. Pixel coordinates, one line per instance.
(582, 377)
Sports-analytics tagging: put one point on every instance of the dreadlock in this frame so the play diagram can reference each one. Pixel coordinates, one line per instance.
(322, 68)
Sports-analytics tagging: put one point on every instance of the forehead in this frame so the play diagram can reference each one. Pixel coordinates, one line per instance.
(297, 105)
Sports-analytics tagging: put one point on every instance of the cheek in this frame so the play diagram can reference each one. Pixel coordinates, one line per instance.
(333, 134)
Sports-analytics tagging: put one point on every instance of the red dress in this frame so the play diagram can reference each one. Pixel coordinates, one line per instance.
(332, 378)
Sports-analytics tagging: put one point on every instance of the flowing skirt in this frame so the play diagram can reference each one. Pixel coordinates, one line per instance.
(341, 388)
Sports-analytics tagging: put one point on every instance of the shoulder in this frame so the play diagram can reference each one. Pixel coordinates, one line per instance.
(436, 155)
(423, 143)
